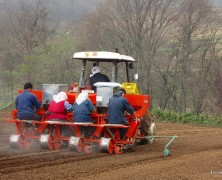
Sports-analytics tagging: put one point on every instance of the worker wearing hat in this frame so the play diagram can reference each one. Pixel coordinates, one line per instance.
(97, 76)
(57, 110)
(58, 107)
(83, 108)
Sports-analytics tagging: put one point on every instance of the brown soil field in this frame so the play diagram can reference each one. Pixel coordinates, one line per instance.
(195, 154)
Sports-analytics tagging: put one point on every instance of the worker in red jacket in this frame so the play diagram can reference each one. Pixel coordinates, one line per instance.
(58, 108)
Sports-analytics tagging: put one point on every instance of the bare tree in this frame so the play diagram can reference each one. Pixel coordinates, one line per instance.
(27, 29)
(30, 27)
(137, 28)
(216, 102)
(198, 27)
(165, 79)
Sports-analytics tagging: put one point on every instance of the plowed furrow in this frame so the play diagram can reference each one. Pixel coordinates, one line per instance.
(26, 154)
(43, 161)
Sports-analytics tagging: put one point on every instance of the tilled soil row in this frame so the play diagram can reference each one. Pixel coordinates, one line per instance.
(42, 160)
(195, 154)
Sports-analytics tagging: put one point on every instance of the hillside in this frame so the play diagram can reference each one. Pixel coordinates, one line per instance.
(66, 11)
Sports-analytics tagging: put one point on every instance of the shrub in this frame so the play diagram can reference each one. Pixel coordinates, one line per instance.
(202, 119)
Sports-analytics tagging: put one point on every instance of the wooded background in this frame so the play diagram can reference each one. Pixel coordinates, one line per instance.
(177, 45)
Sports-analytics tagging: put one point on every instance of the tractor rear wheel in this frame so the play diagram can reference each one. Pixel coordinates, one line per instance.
(152, 132)
(148, 128)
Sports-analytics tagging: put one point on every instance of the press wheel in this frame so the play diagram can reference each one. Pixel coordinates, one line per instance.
(106, 145)
(76, 144)
(46, 141)
(16, 141)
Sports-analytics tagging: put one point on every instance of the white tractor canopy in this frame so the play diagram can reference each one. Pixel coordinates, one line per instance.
(102, 56)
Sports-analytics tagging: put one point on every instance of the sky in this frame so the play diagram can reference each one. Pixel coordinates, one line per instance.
(218, 2)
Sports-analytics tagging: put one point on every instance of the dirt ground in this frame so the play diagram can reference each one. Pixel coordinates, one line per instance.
(195, 154)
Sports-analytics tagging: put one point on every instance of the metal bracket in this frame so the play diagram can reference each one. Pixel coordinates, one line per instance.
(166, 150)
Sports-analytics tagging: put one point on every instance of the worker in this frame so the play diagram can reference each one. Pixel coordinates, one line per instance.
(118, 104)
(57, 110)
(27, 103)
(97, 76)
(83, 108)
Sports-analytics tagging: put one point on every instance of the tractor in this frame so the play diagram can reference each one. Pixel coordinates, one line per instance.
(140, 126)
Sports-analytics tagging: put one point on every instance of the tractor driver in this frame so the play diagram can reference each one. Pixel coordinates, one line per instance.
(26, 103)
(118, 104)
(97, 77)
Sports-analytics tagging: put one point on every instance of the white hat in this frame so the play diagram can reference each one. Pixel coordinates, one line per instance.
(60, 97)
(95, 69)
(82, 97)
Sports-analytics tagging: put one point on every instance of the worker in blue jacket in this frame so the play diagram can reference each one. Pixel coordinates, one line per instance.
(27, 103)
(118, 104)
(83, 108)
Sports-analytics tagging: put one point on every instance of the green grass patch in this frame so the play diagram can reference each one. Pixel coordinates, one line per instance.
(188, 118)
